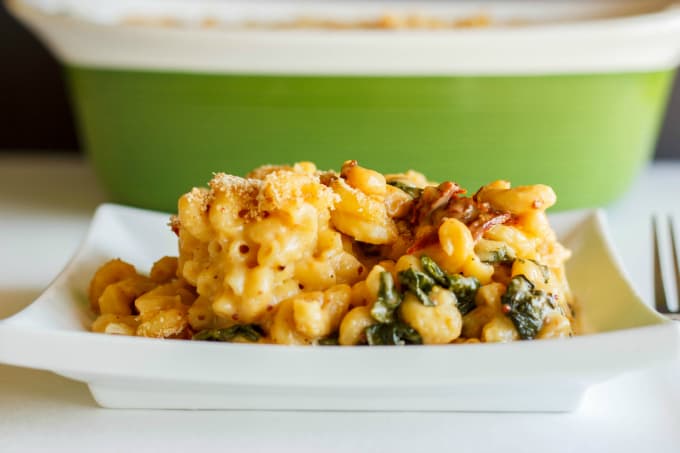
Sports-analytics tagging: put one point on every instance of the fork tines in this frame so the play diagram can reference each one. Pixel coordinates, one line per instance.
(660, 295)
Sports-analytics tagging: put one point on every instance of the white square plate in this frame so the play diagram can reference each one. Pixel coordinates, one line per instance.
(619, 333)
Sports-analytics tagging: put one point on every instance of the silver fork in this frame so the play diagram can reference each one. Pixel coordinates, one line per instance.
(660, 299)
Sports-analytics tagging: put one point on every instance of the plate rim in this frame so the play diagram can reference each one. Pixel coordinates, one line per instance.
(49, 349)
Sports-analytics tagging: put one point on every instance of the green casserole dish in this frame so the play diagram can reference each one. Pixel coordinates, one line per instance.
(573, 99)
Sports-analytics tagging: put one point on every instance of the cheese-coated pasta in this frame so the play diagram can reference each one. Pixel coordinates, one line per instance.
(294, 255)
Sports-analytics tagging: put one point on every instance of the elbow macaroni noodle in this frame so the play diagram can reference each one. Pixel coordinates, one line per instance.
(293, 255)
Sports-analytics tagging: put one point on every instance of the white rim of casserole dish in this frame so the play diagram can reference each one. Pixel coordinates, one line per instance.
(93, 34)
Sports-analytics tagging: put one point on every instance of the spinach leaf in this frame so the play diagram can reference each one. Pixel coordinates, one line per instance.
(413, 191)
(394, 333)
(419, 283)
(388, 299)
(434, 271)
(526, 306)
(464, 288)
(249, 332)
(503, 254)
(328, 341)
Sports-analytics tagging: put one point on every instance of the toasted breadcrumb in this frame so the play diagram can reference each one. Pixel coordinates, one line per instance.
(266, 189)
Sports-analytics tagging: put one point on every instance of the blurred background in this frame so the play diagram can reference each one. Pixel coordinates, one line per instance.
(36, 115)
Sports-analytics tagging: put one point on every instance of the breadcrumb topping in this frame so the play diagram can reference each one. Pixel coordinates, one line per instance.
(266, 189)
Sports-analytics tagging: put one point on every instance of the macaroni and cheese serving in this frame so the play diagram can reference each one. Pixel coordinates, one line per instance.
(294, 255)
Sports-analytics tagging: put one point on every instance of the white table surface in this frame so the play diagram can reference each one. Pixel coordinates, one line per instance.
(45, 206)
